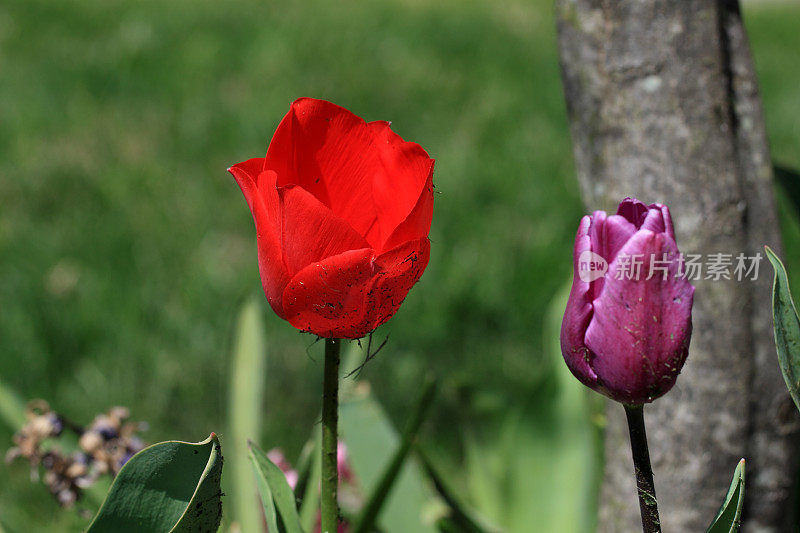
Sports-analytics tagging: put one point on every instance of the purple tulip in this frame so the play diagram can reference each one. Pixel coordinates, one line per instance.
(628, 321)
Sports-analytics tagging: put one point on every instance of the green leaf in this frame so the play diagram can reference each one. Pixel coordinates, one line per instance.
(273, 487)
(461, 518)
(728, 519)
(171, 487)
(246, 394)
(787, 328)
(387, 480)
(309, 479)
(372, 442)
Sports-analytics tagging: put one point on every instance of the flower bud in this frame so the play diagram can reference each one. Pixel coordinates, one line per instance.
(628, 320)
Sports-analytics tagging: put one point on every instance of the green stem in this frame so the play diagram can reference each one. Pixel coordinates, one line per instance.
(648, 505)
(329, 508)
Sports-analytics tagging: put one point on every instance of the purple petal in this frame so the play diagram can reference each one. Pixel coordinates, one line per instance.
(633, 210)
(654, 221)
(668, 228)
(578, 314)
(640, 329)
(608, 236)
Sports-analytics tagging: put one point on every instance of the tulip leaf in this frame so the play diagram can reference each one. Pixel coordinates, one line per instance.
(308, 480)
(380, 493)
(373, 442)
(275, 493)
(246, 393)
(171, 487)
(461, 518)
(729, 517)
(787, 328)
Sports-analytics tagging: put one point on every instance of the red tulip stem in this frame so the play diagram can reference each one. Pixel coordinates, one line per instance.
(648, 505)
(329, 508)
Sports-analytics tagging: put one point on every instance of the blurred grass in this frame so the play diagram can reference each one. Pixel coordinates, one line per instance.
(126, 250)
(248, 366)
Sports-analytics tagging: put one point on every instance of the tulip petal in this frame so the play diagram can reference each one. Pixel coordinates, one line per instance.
(258, 188)
(609, 234)
(310, 232)
(633, 210)
(263, 206)
(320, 147)
(578, 314)
(365, 173)
(402, 188)
(396, 272)
(667, 218)
(418, 222)
(639, 332)
(327, 297)
(351, 294)
(246, 175)
(654, 221)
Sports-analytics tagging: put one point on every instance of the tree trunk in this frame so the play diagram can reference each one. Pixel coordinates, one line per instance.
(663, 105)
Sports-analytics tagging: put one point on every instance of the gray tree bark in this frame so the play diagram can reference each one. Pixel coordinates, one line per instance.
(663, 105)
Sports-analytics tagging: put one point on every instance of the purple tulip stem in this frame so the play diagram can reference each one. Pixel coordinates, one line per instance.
(648, 505)
(329, 509)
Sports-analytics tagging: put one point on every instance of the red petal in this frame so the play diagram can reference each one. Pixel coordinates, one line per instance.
(365, 173)
(418, 222)
(398, 270)
(327, 298)
(271, 267)
(402, 188)
(246, 175)
(310, 232)
(350, 294)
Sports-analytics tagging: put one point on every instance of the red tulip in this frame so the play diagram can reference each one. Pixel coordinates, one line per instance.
(626, 329)
(342, 209)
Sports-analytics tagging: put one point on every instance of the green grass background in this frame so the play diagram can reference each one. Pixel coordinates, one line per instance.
(126, 250)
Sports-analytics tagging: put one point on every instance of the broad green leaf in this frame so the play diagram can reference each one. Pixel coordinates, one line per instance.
(246, 388)
(729, 517)
(273, 487)
(372, 442)
(171, 487)
(787, 328)
(387, 480)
